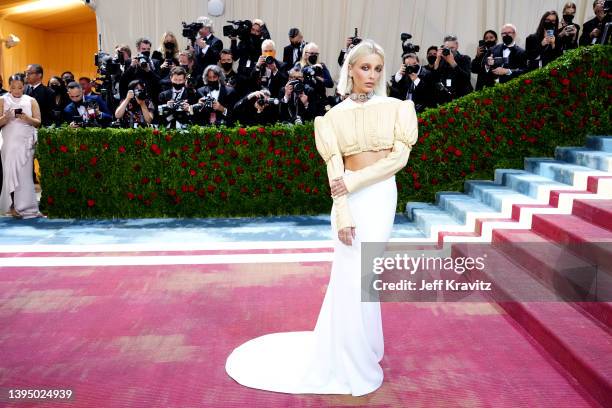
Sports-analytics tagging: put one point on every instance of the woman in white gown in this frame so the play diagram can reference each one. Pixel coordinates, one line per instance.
(364, 141)
(19, 120)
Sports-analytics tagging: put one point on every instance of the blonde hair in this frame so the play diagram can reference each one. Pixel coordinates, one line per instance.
(366, 47)
(162, 47)
(265, 43)
(304, 61)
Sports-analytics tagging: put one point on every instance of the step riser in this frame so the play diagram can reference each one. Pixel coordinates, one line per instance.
(602, 143)
(601, 217)
(582, 157)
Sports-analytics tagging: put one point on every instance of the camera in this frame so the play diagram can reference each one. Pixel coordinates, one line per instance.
(446, 51)
(298, 86)
(270, 101)
(310, 73)
(355, 38)
(269, 60)
(238, 28)
(190, 31)
(205, 105)
(106, 64)
(141, 94)
(411, 69)
(408, 47)
(143, 60)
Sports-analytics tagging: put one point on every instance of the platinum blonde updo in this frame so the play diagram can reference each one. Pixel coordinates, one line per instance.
(366, 47)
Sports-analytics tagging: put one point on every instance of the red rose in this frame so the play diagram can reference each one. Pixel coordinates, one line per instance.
(242, 132)
(50, 200)
(156, 132)
(451, 120)
(91, 203)
(201, 164)
(121, 149)
(157, 180)
(220, 151)
(192, 172)
(458, 153)
(83, 148)
(554, 72)
(510, 142)
(211, 188)
(183, 164)
(172, 192)
(483, 132)
(217, 179)
(191, 188)
(93, 161)
(261, 130)
(168, 138)
(487, 101)
(565, 82)
(417, 185)
(568, 113)
(144, 180)
(63, 148)
(424, 157)
(201, 192)
(232, 182)
(456, 110)
(130, 196)
(504, 119)
(527, 81)
(184, 188)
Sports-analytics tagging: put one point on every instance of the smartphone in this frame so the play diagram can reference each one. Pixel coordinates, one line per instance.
(550, 33)
(18, 111)
(482, 43)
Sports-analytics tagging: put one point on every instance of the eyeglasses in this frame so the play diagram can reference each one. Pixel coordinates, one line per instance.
(312, 53)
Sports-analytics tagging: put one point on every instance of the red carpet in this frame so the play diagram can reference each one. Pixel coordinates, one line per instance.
(158, 336)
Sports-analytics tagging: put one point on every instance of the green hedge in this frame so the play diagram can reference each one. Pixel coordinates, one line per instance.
(273, 170)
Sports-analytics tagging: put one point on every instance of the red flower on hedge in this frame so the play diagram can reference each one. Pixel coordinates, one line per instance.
(527, 81)
(156, 132)
(201, 164)
(565, 82)
(554, 72)
(211, 188)
(242, 132)
(121, 149)
(261, 130)
(157, 180)
(145, 180)
(424, 157)
(91, 203)
(63, 148)
(50, 200)
(183, 164)
(458, 153)
(487, 101)
(130, 196)
(192, 172)
(168, 138)
(93, 161)
(417, 185)
(451, 120)
(155, 149)
(83, 147)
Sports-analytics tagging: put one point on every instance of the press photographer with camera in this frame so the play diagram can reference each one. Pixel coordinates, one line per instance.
(85, 111)
(174, 110)
(593, 29)
(251, 35)
(268, 72)
(298, 102)
(166, 56)
(412, 82)
(207, 47)
(542, 46)
(483, 50)
(257, 108)
(350, 43)
(136, 109)
(216, 101)
(141, 68)
(569, 31)
(451, 72)
(318, 71)
(505, 61)
(292, 53)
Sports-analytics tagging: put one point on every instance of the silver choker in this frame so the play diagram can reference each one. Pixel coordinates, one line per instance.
(361, 97)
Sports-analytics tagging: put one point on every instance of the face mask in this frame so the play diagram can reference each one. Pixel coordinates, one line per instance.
(146, 53)
(185, 67)
(177, 86)
(213, 84)
(227, 65)
(507, 39)
(313, 59)
(431, 59)
(568, 18)
(490, 44)
(548, 25)
(56, 87)
(169, 45)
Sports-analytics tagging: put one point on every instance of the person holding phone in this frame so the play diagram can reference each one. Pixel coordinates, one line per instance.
(19, 120)
(569, 31)
(489, 40)
(543, 45)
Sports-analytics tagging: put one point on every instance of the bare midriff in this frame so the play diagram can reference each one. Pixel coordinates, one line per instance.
(364, 159)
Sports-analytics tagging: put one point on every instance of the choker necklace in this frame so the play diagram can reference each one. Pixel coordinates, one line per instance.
(361, 97)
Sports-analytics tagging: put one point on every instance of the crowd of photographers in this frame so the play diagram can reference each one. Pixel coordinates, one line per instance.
(247, 82)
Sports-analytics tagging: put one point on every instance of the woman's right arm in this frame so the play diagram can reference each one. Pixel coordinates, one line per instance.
(328, 149)
(4, 116)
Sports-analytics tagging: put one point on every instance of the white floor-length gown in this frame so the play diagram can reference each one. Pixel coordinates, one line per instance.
(342, 354)
(17, 147)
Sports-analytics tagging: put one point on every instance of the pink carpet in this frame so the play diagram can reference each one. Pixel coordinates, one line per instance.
(158, 336)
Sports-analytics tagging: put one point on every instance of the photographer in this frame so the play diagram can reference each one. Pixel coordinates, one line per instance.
(85, 111)
(257, 108)
(489, 40)
(569, 31)
(194, 70)
(175, 104)
(226, 62)
(216, 98)
(292, 53)
(268, 73)
(136, 109)
(141, 68)
(432, 55)
(451, 72)
(166, 56)
(252, 35)
(505, 61)
(593, 29)
(207, 47)
(298, 103)
(543, 47)
(350, 43)
(412, 82)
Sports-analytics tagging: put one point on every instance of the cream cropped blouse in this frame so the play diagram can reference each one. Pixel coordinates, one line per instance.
(350, 128)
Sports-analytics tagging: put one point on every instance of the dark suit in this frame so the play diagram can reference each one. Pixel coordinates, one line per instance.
(246, 113)
(189, 94)
(71, 111)
(288, 55)
(459, 76)
(420, 94)
(275, 83)
(45, 98)
(516, 62)
(536, 52)
(585, 38)
(227, 98)
(211, 57)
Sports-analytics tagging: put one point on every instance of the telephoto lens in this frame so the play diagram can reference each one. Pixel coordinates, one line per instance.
(269, 60)
(446, 52)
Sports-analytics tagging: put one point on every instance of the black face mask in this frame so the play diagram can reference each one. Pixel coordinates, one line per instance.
(56, 87)
(169, 45)
(227, 65)
(178, 87)
(507, 39)
(185, 67)
(549, 25)
(431, 59)
(490, 44)
(212, 85)
(568, 18)
(313, 59)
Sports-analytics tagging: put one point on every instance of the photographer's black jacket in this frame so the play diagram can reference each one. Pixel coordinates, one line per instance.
(421, 94)
(189, 94)
(276, 81)
(45, 98)
(534, 49)
(215, 45)
(246, 113)
(585, 38)
(460, 75)
(517, 63)
(227, 98)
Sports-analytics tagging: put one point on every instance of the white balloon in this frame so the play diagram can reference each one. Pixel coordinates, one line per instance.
(215, 7)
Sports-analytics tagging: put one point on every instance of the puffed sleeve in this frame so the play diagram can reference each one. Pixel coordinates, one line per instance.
(327, 147)
(405, 134)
